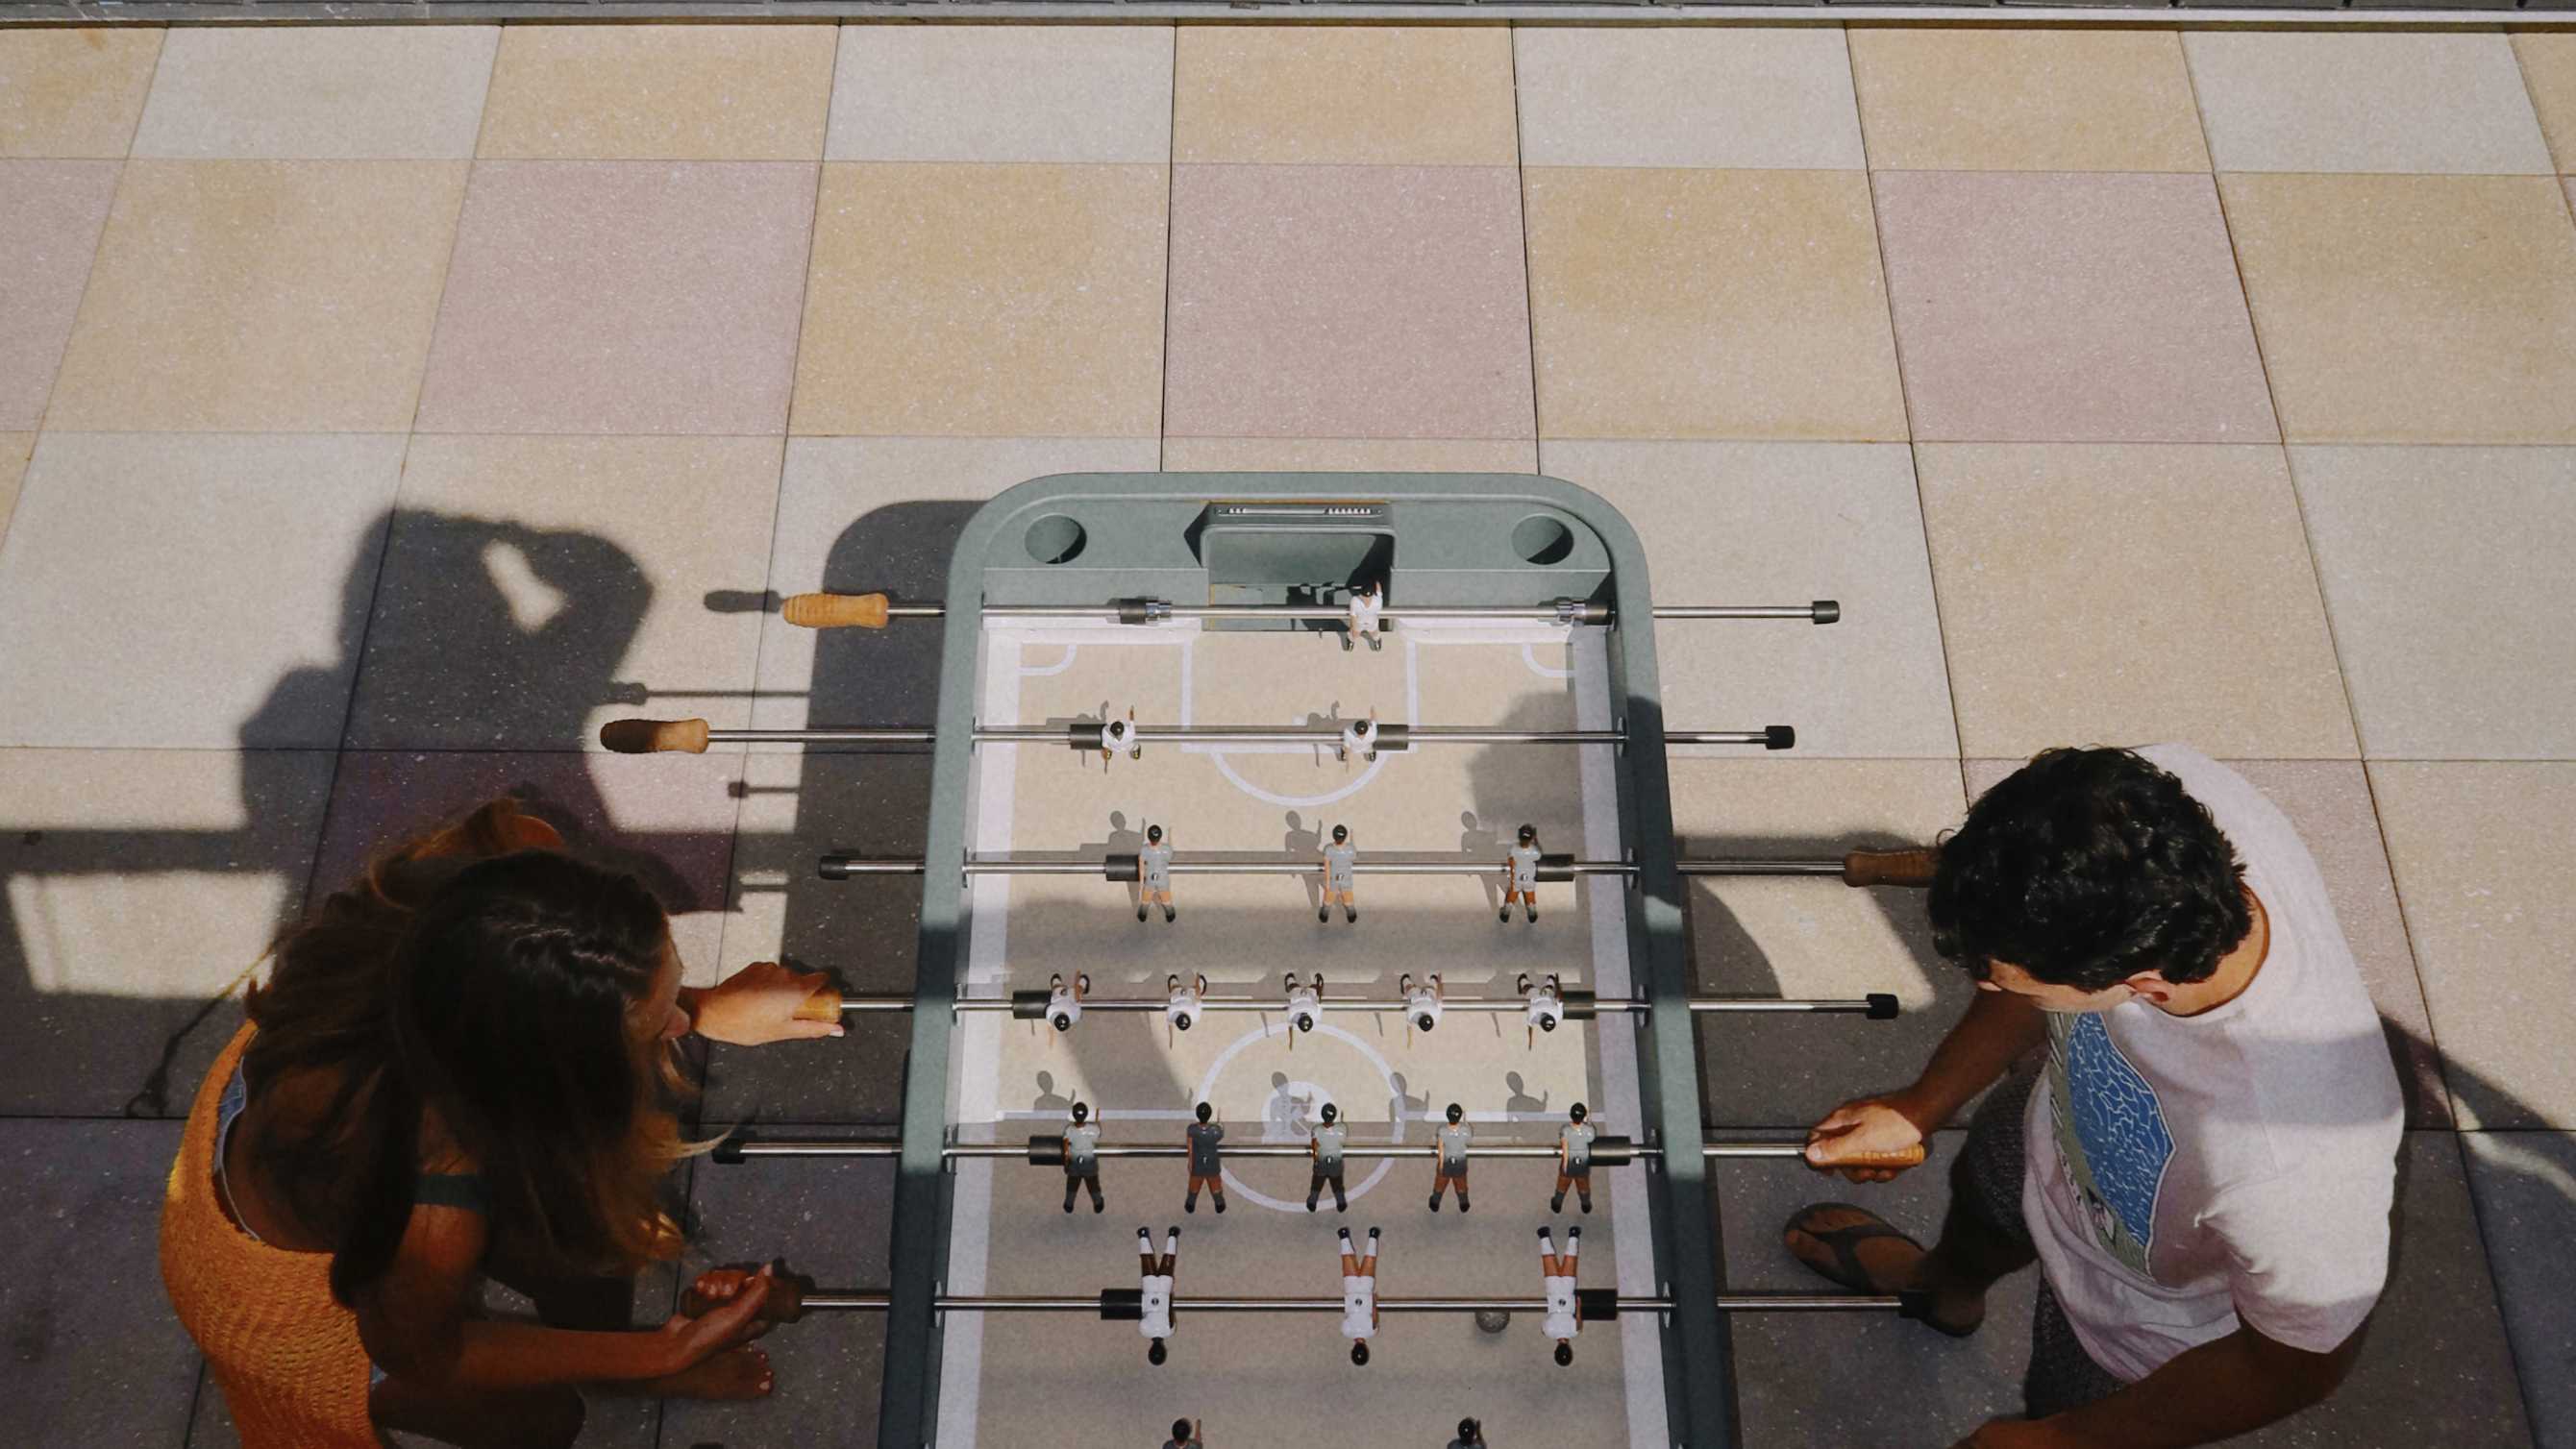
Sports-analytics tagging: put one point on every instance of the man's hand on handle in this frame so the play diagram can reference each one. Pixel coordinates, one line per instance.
(1867, 1127)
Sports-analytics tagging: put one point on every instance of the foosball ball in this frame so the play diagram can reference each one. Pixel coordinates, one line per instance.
(1300, 827)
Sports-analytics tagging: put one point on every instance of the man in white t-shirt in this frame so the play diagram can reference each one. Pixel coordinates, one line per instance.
(2205, 1166)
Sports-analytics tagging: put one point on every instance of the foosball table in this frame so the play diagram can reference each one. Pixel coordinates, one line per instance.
(1321, 809)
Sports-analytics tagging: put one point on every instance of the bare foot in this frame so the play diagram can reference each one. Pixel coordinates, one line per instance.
(736, 1373)
(1834, 1239)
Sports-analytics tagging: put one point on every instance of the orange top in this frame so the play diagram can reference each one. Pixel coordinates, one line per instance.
(285, 1352)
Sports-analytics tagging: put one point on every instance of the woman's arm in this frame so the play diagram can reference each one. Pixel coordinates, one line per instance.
(417, 1323)
(757, 1005)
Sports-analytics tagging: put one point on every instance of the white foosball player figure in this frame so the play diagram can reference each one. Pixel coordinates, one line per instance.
(1359, 1295)
(1546, 1004)
(1186, 1004)
(1520, 878)
(1305, 1005)
(1359, 738)
(1120, 735)
(1556, 1280)
(1367, 609)
(1154, 1289)
(1064, 1005)
(1423, 1001)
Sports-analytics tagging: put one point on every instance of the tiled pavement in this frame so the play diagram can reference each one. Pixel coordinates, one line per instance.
(379, 408)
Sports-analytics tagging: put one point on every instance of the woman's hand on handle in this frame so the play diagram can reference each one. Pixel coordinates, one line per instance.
(759, 1004)
(1871, 1130)
(689, 1340)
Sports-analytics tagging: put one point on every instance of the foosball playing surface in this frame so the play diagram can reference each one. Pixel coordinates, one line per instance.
(1163, 697)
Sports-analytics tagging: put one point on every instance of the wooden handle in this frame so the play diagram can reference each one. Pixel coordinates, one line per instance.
(785, 1303)
(835, 611)
(823, 1005)
(1911, 867)
(655, 736)
(1910, 1157)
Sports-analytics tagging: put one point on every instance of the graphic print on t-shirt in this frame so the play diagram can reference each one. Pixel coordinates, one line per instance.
(2112, 1142)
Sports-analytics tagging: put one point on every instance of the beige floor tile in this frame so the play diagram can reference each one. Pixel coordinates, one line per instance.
(1809, 937)
(1749, 97)
(660, 92)
(1349, 455)
(139, 883)
(1782, 523)
(1017, 301)
(2323, 100)
(1003, 93)
(861, 515)
(289, 296)
(263, 550)
(526, 577)
(2480, 852)
(360, 93)
(2328, 802)
(74, 93)
(2411, 309)
(2404, 537)
(1405, 95)
(2549, 72)
(14, 448)
(2122, 593)
(51, 214)
(1709, 304)
(1962, 99)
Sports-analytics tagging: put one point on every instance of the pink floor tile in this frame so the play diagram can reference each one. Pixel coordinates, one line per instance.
(622, 297)
(50, 215)
(2069, 307)
(1348, 302)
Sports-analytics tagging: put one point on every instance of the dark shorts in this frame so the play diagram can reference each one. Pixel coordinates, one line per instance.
(1089, 1168)
(1328, 1172)
(1986, 1182)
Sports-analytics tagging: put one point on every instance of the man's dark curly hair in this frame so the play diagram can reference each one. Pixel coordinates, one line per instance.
(2085, 867)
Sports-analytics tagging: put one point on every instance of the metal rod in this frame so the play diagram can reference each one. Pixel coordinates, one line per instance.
(1568, 611)
(1710, 1004)
(1321, 737)
(829, 1147)
(862, 1302)
(1749, 865)
(837, 867)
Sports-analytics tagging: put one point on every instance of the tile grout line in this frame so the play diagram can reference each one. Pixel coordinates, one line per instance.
(2548, 145)
(1520, 198)
(1171, 189)
(97, 249)
(1905, 399)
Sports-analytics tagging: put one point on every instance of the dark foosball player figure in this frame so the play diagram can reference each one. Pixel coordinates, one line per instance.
(2204, 1163)
(1471, 1435)
(1081, 1157)
(1341, 860)
(1185, 1435)
(1359, 1295)
(1207, 1167)
(1154, 875)
(1154, 1273)
(1325, 1148)
(1574, 1159)
(1520, 875)
(1449, 1168)
(1564, 1316)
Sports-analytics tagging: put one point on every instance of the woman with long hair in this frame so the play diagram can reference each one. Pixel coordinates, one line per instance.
(460, 1068)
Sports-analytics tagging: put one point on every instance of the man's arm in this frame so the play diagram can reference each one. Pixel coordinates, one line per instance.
(2228, 1386)
(1997, 1029)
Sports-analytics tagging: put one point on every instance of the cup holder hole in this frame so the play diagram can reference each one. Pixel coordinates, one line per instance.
(1540, 539)
(1054, 539)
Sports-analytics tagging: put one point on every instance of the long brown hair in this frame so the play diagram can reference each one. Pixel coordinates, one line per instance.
(494, 986)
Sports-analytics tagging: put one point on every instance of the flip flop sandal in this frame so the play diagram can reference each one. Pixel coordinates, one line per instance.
(1846, 1270)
